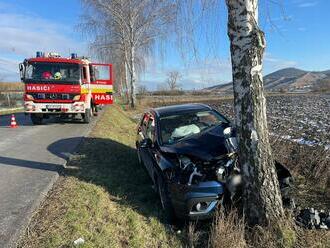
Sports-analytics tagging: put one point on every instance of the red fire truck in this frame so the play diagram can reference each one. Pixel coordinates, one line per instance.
(70, 87)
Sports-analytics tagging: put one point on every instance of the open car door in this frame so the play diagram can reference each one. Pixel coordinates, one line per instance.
(101, 83)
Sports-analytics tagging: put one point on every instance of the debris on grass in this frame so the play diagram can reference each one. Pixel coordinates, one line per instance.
(79, 241)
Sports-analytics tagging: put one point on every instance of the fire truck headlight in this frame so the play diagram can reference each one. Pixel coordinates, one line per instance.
(76, 98)
(29, 97)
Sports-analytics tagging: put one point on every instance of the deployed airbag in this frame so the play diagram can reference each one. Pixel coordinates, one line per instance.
(185, 130)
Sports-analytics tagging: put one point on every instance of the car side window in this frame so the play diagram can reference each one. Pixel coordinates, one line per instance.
(144, 123)
(150, 131)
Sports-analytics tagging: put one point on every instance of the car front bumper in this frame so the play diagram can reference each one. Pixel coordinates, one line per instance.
(185, 199)
(54, 108)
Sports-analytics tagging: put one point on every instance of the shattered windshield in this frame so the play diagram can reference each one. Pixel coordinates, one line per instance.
(50, 72)
(176, 127)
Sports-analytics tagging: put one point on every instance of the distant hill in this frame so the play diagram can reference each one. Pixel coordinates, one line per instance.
(288, 79)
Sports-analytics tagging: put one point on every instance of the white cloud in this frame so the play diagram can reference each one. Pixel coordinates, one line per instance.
(23, 35)
(272, 63)
(302, 29)
(206, 73)
(196, 75)
(307, 4)
(8, 69)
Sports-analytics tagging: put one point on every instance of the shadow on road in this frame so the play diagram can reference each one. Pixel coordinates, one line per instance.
(24, 120)
(107, 163)
(30, 164)
(21, 120)
(63, 148)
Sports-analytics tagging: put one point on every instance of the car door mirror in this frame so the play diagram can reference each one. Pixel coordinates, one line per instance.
(145, 143)
(21, 71)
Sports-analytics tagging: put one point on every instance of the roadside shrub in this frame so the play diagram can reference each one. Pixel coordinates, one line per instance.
(168, 92)
(10, 99)
(276, 235)
(305, 160)
(227, 231)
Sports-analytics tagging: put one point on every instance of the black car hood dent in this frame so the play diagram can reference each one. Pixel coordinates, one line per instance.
(205, 146)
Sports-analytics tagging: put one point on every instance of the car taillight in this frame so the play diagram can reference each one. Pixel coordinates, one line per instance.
(76, 98)
(28, 97)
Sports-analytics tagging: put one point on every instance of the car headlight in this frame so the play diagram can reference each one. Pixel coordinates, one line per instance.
(221, 174)
(227, 132)
(76, 98)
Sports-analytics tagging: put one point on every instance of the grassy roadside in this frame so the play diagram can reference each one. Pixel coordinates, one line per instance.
(103, 196)
(11, 111)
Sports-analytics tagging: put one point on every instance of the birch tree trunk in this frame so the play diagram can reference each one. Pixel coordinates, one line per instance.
(132, 78)
(261, 195)
(126, 82)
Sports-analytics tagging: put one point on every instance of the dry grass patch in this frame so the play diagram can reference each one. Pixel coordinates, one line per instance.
(228, 231)
(11, 86)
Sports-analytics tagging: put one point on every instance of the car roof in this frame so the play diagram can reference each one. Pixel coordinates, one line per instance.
(181, 108)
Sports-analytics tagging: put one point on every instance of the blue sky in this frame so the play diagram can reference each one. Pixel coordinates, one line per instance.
(297, 33)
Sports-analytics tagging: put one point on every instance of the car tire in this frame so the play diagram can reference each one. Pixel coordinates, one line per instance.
(36, 120)
(165, 201)
(139, 155)
(87, 115)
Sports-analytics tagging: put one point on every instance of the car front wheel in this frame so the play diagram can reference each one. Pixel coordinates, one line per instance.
(138, 155)
(165, 200)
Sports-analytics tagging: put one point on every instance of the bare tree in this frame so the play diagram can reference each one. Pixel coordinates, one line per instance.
(106, 42)
(142, 90)
(173, 80)
(132, 27)
(162, 87)
(262, 197)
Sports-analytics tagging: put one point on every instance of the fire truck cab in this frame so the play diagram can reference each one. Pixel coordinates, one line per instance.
(69, 87)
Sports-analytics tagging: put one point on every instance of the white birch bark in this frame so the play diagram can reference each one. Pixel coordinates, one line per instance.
(261, 195)
(126, 81)
(132, 78)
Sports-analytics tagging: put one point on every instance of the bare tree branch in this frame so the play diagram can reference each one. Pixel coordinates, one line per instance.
(173, 80)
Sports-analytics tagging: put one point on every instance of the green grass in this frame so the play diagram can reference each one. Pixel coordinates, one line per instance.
(104, 196)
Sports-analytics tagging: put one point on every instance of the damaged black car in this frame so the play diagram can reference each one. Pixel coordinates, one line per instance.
(189, 152)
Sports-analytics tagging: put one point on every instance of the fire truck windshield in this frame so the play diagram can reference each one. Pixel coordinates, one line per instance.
(53, 73)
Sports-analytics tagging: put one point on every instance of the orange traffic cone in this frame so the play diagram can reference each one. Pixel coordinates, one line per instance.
(13, 123)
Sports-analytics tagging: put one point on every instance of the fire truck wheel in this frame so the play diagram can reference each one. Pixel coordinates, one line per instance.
(36, 119)
(87, 116)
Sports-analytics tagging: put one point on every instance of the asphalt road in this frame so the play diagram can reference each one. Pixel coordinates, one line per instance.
(30, 158)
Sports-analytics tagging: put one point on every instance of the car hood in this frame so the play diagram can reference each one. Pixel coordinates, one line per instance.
(207, 146)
